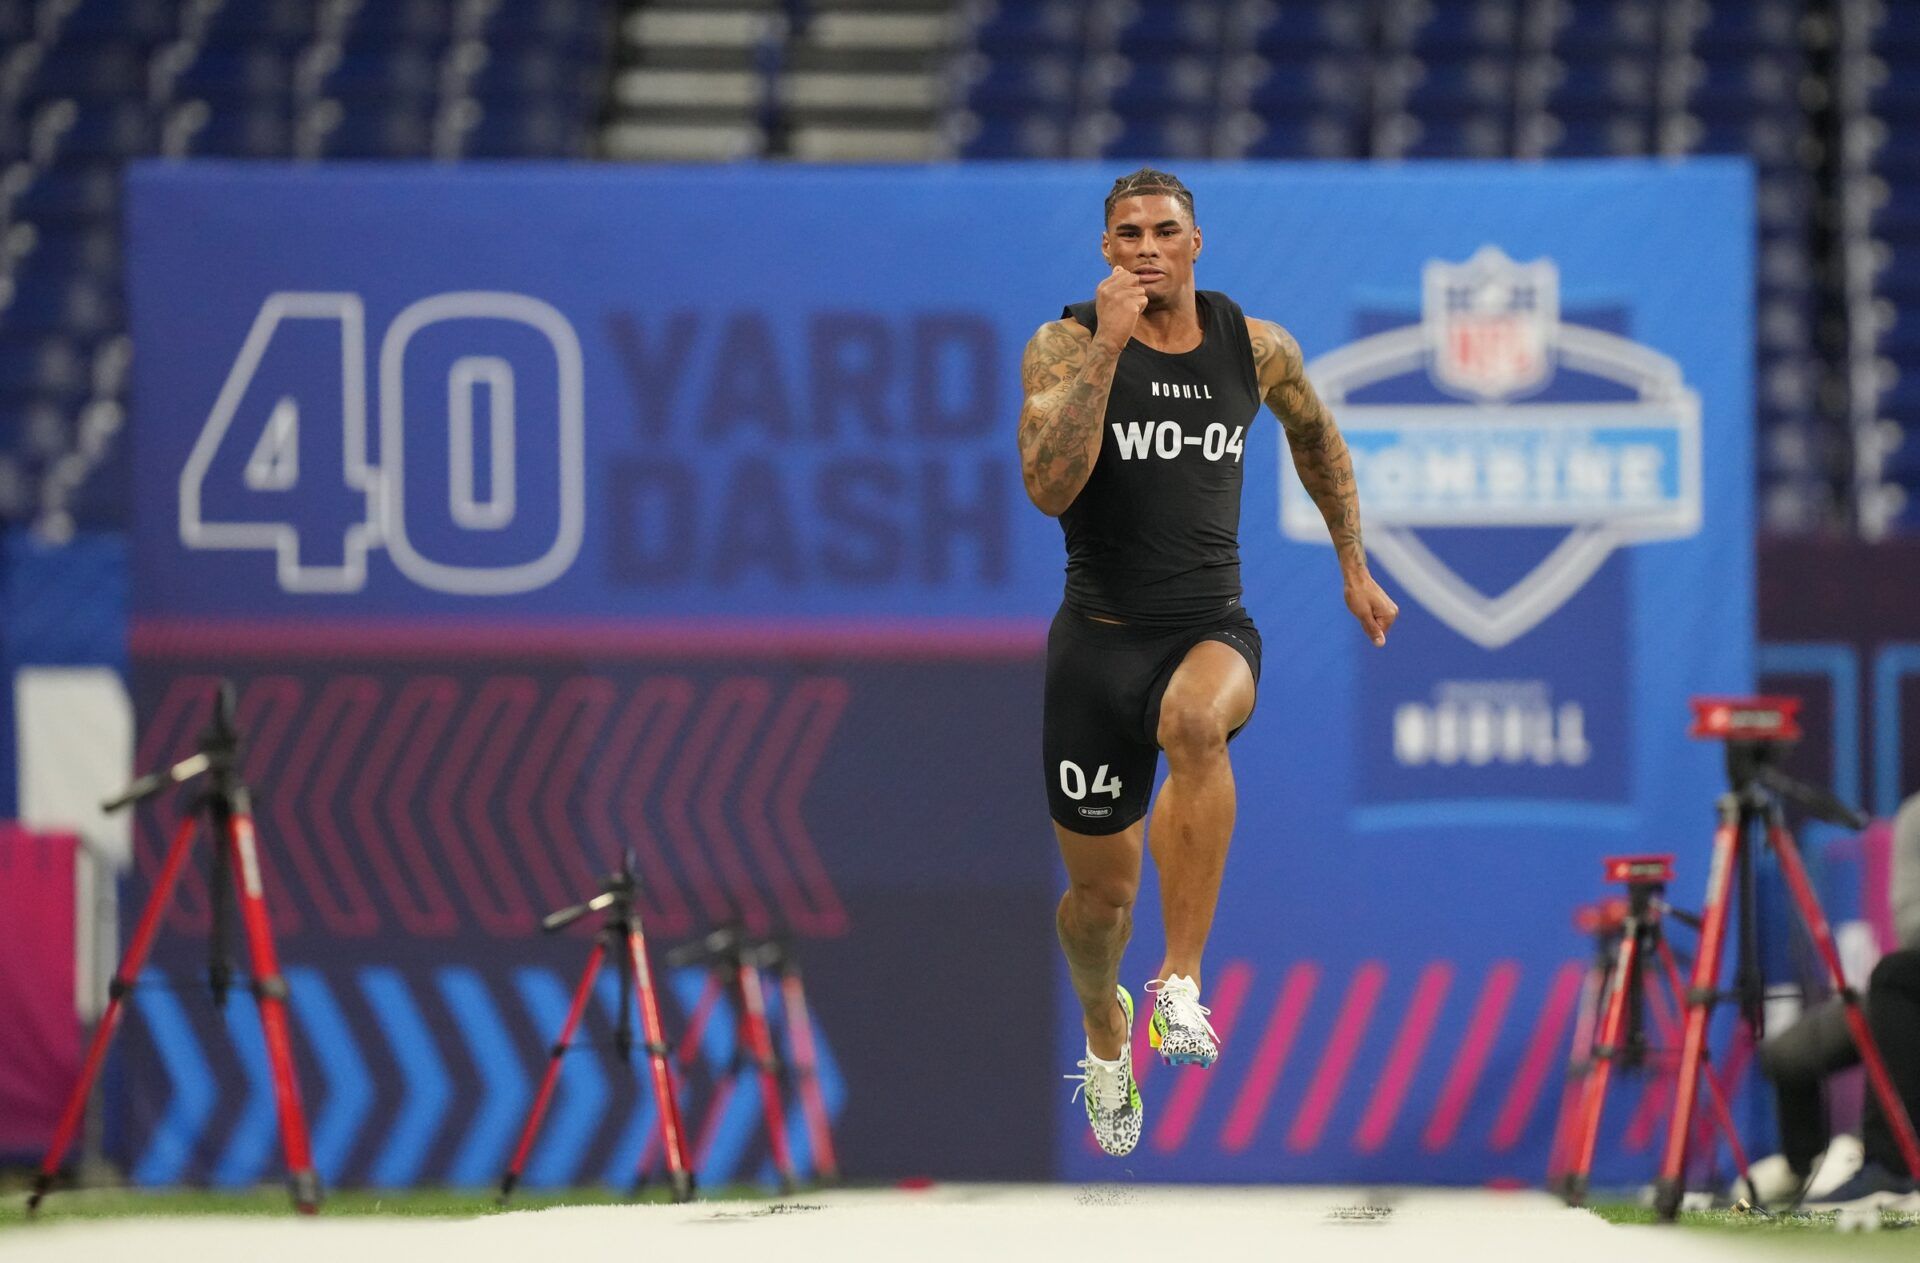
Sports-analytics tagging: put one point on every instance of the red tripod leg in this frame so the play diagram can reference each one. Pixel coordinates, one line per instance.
(687, 1057)
(1716, 1098)
(673, 1137)
(1699, 1007)
(1809, 904)
(759, 1041)
(1572, 1094)
(270, 993)
(697, 1024)
(807, 1069)
(129, 972)
(547, 1081)
(1601, 1068)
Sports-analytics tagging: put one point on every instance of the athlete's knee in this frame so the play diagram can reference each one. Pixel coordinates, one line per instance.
(1101, 903)
(1190, 732)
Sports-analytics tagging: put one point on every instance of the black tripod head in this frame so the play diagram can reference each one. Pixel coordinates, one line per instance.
(728, 947)
(220, 741)
(721, 947)
(775, 953)
(219, 754)
(1758, 732)
(616, 897)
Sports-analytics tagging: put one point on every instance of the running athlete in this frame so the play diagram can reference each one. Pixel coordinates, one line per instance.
(1136, 414)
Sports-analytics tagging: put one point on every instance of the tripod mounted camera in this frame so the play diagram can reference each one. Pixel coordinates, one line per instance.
(1757, 732)
(226, 807)
(619, 936)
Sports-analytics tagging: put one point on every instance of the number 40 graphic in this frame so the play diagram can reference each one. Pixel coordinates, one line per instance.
(369, 498)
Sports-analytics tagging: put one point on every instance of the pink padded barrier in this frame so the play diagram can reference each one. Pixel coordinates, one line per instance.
(39, 1031)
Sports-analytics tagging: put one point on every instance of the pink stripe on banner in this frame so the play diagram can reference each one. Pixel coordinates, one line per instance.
(1540, 1056)
(1483, 1028)
(1428, 997)
(884, 638)
(1243, 1122)
(1348, 1030)
(1177, 1119)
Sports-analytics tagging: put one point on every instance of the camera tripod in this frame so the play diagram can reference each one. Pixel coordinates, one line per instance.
(228, 813)
(619, 936)
(1757, 732)
(734, 968)
(1629, 939)
(802, 1056)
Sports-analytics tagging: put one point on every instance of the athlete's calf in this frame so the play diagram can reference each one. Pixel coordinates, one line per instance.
(1094, 922)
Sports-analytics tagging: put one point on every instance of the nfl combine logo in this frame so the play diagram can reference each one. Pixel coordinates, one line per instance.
(1494, 412)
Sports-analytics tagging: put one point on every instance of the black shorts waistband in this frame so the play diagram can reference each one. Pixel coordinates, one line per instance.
(1086, 626)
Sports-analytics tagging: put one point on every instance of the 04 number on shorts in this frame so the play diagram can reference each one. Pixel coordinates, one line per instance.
(1073, 781)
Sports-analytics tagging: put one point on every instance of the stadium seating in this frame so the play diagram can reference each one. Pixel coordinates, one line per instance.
(1398, 79)
(87, 85)
(1879, 214)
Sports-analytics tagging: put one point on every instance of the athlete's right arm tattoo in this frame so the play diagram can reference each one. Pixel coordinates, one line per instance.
(1319, 452)
(1067, 374)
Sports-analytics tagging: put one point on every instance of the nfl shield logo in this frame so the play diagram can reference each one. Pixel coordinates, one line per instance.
(1516, 447)
(1492, 321)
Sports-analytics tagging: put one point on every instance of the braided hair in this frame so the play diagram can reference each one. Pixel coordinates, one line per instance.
(1147, 180)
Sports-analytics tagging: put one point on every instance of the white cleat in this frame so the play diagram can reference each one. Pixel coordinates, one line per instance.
(1112, 1096)
(1180, 1029)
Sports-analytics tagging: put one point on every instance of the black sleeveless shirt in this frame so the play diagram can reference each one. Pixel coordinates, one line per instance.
(1154, 537)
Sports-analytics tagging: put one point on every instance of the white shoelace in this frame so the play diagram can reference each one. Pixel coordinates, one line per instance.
(1116, 1080)
(1182, 992)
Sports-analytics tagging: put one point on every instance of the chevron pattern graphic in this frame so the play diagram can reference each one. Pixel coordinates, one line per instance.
(424, 1076)
(428, 805)
(415, 825)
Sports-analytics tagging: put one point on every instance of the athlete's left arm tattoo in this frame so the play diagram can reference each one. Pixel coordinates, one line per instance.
(1319, 453)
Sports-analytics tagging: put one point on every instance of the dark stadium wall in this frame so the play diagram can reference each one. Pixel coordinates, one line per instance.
(1840, 626)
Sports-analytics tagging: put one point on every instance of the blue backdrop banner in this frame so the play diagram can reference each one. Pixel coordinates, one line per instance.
(497, 469)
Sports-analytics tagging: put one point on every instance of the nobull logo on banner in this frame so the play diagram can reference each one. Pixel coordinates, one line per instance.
(1493, 411)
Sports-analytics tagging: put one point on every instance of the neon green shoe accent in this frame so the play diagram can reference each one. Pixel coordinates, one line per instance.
(1116, 1126)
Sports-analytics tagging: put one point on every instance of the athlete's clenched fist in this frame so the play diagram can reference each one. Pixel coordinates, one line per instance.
(1373, 607)
(1118, 302)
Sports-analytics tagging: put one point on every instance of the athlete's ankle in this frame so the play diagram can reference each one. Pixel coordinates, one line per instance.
(1189, 970)
(1107, 1034)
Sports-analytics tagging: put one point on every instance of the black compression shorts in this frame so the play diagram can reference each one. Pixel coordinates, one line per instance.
(1104, 685)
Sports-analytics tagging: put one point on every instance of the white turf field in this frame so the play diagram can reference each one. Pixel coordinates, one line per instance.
(995, 1223)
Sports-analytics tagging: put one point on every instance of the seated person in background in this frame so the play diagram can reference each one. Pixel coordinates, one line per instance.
(1800, 1057)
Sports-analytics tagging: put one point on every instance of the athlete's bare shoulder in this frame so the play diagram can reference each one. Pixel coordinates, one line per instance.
(1054, 354)
(1282, 372)
(1276, 355)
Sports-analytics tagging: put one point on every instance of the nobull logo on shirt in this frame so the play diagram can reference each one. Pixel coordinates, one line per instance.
(1493, 411)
